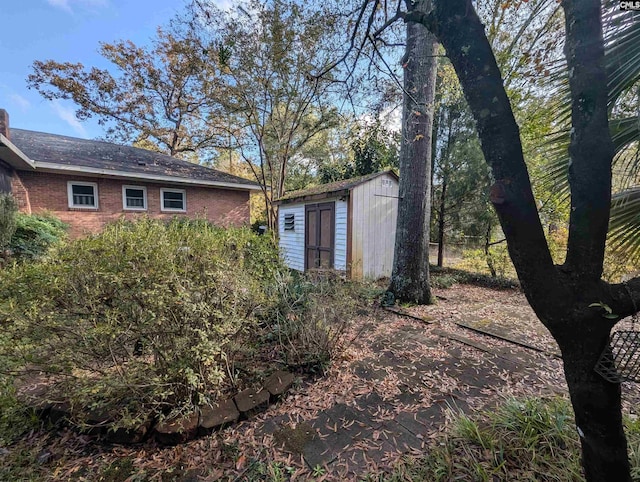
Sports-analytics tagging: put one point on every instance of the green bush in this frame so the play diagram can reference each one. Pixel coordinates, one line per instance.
(15, 418)
(477, 261)
(8, 210)
(135, 322)
(35, 234)
(311, 319)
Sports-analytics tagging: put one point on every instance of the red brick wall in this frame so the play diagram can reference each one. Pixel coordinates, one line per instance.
(48, 192)
(20, 193)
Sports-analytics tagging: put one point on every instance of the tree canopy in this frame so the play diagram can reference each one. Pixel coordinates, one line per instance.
(162, 95)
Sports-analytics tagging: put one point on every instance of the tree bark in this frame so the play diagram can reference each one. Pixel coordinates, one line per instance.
(444, 171)
(596, 403)
(410, 276)
(441, 222)
(487, 252)
(591, 149)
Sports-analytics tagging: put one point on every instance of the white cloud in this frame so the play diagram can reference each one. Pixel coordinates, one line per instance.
(393, 118)
(62, 4)
(224, 4)
(68, 5)
(390, 117)
(67, 114)
(20, 102)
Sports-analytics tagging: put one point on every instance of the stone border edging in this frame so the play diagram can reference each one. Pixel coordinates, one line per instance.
(203, 421)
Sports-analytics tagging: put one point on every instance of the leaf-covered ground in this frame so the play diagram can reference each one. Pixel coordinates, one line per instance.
(393, 389)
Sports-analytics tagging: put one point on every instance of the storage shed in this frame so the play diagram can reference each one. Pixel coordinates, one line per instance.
(346, 225)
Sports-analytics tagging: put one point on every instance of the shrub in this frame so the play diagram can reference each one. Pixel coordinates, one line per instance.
(476, 260)
(313, 315)
(35, 234)
(15, 418)
(8, 210)
(135, 322)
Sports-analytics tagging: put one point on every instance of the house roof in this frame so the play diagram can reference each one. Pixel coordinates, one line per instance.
(56, 153)
(332, 188)
(13, 156)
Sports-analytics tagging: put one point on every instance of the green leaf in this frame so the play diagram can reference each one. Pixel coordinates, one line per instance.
(608, 314)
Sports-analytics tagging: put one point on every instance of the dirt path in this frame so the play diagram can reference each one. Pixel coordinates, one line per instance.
(398, 384)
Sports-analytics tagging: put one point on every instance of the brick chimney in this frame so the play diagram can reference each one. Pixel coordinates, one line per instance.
(4, 123)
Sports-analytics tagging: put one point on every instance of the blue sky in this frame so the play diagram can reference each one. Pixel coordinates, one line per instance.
(65, 31)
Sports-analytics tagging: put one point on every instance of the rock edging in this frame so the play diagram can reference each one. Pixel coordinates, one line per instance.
(203, 421)
(209, 418)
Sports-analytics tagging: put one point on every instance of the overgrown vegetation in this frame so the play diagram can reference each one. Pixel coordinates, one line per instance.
(312, 318)
(526, 440)
(446, 277)
(8, 209)
(149, 319)
(35, 234)
(496, 258)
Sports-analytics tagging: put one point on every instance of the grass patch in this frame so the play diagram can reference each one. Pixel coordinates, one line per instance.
(526, 440)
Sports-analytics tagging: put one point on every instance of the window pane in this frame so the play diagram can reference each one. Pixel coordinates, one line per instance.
(135, 198)
(80, 189)
(173, 195)
(173, 200)
(83, 195)
(135, 193)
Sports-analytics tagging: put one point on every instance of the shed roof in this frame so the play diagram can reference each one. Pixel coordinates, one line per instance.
(54, 152)
(332, 188)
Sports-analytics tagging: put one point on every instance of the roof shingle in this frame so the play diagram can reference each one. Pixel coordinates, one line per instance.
(71, 151)
(333, 187)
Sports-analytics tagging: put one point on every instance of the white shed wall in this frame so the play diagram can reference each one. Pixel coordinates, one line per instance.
(340, 251)
(292, 242)
(375, 212)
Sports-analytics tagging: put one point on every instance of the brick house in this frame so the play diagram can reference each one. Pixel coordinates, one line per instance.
(89, 183)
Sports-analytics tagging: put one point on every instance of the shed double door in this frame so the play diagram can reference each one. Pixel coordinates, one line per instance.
(319, 235)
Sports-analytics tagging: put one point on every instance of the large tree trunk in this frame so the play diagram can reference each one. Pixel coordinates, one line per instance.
(410, 277)
(596, 402)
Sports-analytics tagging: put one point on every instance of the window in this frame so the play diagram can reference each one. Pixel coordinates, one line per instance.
(82, 194)
(173, 200)
(289, 222)
(134, 198)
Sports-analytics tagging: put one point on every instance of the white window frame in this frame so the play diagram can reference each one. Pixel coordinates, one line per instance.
(124, 198)
(173, 210)
(70, 185)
